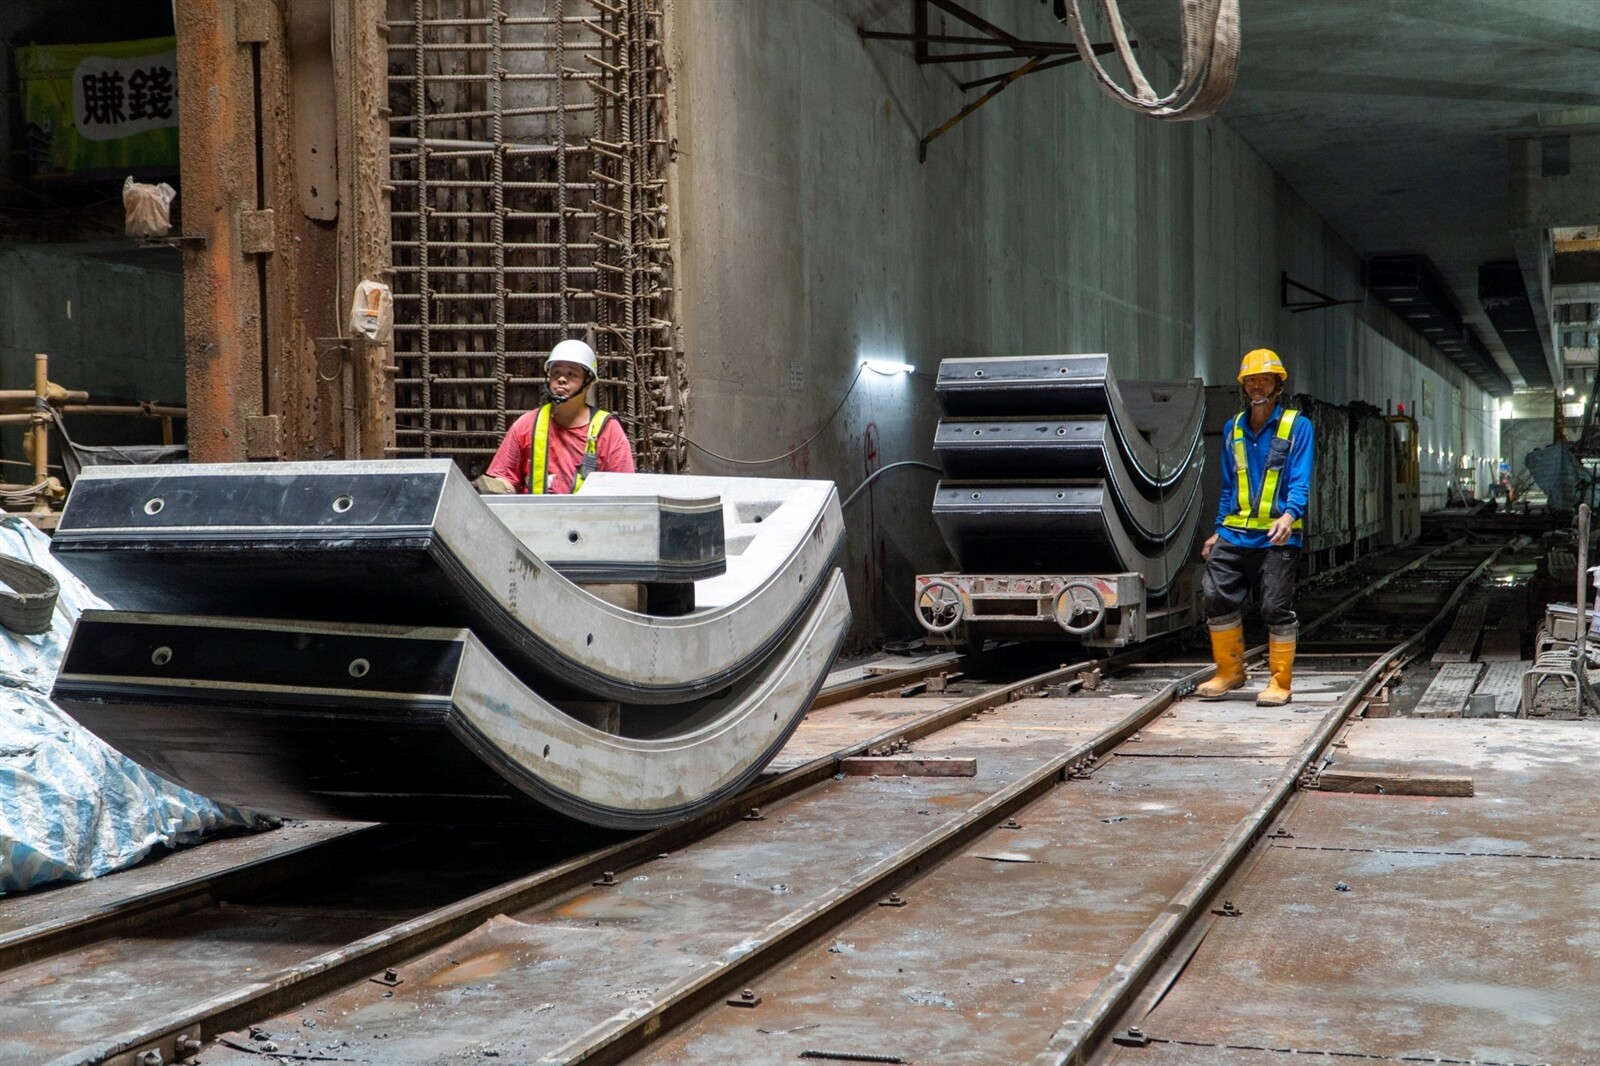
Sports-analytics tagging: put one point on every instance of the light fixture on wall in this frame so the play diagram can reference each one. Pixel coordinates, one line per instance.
(887, 367)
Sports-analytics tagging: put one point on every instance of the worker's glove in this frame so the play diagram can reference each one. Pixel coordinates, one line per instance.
(489, 485)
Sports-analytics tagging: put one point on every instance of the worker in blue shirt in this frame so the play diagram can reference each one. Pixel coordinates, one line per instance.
(1266, 485)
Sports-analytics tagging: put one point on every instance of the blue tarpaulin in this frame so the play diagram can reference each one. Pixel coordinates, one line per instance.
(1557, 471)
(72, 808)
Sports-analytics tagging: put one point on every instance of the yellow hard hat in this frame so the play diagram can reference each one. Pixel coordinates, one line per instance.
(1262, 361)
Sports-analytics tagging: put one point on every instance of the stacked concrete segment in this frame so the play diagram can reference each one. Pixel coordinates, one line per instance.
(1056, 467)
(410, 541)
(375, 640)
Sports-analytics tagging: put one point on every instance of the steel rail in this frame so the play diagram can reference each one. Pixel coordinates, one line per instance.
(330, 970)
(631, 1030)
(1090, 1023)
(373, 954)
(30, 943)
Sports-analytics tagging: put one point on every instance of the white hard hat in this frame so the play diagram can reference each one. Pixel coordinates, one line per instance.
(576, 353)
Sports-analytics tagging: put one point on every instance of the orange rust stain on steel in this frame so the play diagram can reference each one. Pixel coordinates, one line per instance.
(218, 177)
(474, 969)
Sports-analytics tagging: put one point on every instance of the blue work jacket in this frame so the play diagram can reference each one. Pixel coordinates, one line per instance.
(1294, 483)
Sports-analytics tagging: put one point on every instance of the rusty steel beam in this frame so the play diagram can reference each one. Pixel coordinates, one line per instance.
(301, 365)
(361, 39)
(218, 43)
(285, 149)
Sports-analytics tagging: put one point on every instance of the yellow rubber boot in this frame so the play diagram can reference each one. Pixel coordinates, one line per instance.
(1280, 658)
(1227, 648)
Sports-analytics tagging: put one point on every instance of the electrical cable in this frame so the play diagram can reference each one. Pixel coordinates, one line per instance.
(884, 470)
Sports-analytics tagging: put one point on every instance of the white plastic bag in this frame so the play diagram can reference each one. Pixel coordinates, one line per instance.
(372, 312)
(148, 208)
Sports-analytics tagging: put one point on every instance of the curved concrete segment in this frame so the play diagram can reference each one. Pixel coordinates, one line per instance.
(391, 541)
(597, 538)
(1032, 449)
(1069, 527)
(375, 722)
(1156, 423)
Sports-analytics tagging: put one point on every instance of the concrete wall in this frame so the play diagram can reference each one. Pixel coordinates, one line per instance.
(110, 316)
(809, 236)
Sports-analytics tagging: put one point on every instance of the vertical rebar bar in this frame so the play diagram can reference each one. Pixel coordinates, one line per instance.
(595, 213)
(497, 224)
(561, 164)
(629, 262)
(424, 289)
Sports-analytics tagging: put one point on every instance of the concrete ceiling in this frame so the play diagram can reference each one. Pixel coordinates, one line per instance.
(1391, 116)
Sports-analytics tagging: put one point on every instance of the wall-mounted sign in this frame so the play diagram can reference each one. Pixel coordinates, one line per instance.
(110, 107)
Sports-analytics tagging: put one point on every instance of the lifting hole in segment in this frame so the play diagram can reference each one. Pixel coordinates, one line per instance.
(161, 656)
(153, 507)
(359, 667)
(342, 504)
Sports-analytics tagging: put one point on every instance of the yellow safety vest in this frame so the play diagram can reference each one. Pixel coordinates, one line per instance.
(539, 450)
(1260, 511)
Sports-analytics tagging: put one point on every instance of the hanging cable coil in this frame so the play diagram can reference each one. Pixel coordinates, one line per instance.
(1210, 60)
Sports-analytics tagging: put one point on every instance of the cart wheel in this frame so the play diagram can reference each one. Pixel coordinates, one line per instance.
(939, 607)
(1079, 608)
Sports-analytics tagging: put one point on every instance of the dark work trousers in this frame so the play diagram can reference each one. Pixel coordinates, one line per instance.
(1232, 570)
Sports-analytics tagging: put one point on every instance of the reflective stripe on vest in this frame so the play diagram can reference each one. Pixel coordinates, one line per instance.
(1260, 511)
(539, 450)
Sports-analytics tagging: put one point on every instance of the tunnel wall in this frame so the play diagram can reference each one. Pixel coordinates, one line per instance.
(808, 236)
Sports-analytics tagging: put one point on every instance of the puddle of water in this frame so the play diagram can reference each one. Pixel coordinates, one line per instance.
(1524, 1005)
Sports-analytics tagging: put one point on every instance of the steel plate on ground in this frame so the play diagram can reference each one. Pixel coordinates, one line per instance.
(600, 951)
(1230, 728)
(1475, 975)
(991, 951)
(1532, 782)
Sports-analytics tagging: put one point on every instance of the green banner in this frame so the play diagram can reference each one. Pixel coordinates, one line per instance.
(110, 107)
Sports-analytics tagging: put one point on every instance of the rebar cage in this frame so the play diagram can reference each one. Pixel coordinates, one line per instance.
(528, 159)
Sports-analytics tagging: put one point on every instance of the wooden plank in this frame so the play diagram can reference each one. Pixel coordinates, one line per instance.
(1500, 646)
(908, 766)
(1378, 782)
(1462, 640)
(1503, 681)
(1448, 693)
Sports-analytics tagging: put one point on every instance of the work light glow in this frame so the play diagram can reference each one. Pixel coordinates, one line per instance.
(887, 366)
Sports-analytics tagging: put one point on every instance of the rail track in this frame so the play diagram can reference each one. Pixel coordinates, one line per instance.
(1022, 911)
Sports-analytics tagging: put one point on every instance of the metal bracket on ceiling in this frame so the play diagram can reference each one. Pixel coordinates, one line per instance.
(1322, 301)
(995, 44)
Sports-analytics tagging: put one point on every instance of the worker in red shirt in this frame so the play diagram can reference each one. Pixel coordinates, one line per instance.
(553, 448)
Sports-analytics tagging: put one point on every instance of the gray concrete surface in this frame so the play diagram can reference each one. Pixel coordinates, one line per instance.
(1051, 221)
(1392, 118)
(110, 316)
